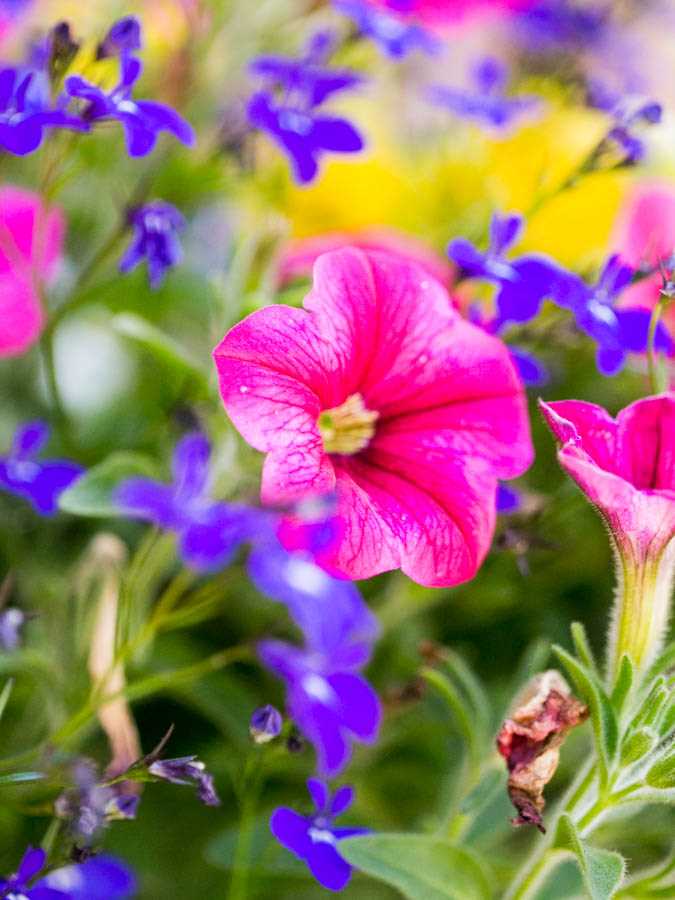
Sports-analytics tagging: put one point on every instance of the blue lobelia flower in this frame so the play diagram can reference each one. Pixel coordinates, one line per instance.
(314, 839)
(485, 100)
(97, 878)
(142, 120)
(616, 331)
(629, 112)
(329, 700)
(155, 240)
(509, 500)
(553, 25)
(123, 38)
(209, 532)
(523, 283)
(26, 110)
(187, 770)
(41, 482)
(392, 35)
(288, 109)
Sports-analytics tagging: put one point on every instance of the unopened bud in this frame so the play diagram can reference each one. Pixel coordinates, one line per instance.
(266, 724)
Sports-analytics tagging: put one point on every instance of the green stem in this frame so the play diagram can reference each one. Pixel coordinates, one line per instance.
(657, 378)
(60, 417)
(250, 793)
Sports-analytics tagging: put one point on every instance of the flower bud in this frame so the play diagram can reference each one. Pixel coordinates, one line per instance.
(266, 724)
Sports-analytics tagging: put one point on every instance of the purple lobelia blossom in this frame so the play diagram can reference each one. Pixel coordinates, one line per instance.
(155, 240)
(552, 25)
(142, 120)
(209, 532)
(485, 100)
(39, 481)
(26, 110)
(90, 805)
(187, 770)
(12, 621)
(97, 878)
(523, 283)
(392, 35)
(616, 331)
(314, 839)
(629, 112)
(509, 500)
(123, 38)
(288, 109)
(331, 703)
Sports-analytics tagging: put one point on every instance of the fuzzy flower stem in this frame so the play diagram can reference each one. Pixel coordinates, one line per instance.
(657, 379)
(642, 607)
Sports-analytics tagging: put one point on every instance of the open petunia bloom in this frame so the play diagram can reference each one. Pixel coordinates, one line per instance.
(626, 468)
(97, 878)
(30, 247)
(38, 481)
(314, 839)
(380, 392)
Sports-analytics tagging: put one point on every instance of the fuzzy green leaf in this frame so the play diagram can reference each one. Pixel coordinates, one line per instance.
(92, 494)
(603, 718)
(603, 871)
(464, 714)
(662, 774)
(636, 745)
(421, 867)
(623, 684)
(582, 647)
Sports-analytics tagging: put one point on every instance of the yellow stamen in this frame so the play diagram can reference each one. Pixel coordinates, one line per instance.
(347, 428)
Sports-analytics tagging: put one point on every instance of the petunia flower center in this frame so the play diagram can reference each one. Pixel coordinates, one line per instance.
(347, 428)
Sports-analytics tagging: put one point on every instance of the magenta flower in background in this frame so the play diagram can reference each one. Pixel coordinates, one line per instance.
(31, 238)
(155, 240)
(626, 468)
(314, 839)
(378, 391)
(142, 120)
(97, 878)
(447, 12)
(38, 481)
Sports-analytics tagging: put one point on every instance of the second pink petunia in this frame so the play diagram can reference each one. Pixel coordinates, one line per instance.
(379, 392)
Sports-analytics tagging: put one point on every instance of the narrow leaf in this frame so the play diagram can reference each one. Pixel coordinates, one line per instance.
(582, 647)
(602, 870)
(637, 745)
(5, 695)
(421, 867)
(662, 774)
(21, 777)
(623, 684)
(92, 494)
(463, 713)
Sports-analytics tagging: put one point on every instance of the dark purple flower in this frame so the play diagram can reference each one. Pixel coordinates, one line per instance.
(98, 878)
(288, 109)
(187, 770)
(485, 101)
(26, 110)
(209, 532)
(314, 839)
(629, 111)
(523, 282)
(123, 38)
(266, 724)
(391, 34)
(551, 25)
(509, 500)
(11, 622)
(89, 805)
(142, 120)
(155, 240)
(41, 482)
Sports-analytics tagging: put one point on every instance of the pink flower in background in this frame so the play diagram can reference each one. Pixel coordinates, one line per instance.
(379, 392)
(646, 234)
(299, 256)
(443, 12)
(626, 468)
(30, 247)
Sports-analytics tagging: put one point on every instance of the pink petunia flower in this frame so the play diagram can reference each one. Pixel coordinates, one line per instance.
(30, 246)
(444, 12)
(379, 392)
(645, 234)
(299, 256)
(626, 468)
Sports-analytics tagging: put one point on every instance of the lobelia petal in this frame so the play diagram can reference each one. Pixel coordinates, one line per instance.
(149, 500)
(360, 707)
(328, 867)
(290, 829)
(331, 133)
(190, 466)
(162, 117)
(53, 478)
(29, 439)
(140, 139)
(318, 791)
(342, 800)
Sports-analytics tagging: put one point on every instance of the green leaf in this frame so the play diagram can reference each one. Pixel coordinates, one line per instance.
(5, 695)
(662, 774)
(603, 871)
(637, 745)
(603, 718)
(470, 685)
(484, 791)
(582, 647)
(463, 712)
(623, 684)
(160, 345)
(663, 663)
(21, 777)
(91, 495)
(421, 867)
